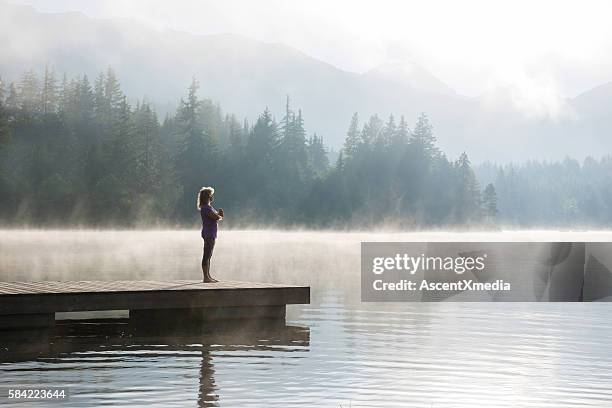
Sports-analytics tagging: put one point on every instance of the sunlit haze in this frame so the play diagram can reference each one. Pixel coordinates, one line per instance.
(545, 49)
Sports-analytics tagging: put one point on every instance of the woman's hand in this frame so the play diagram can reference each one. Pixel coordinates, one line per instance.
(221, 212)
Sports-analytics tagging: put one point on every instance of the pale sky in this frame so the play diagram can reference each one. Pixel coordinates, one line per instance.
(545, 49)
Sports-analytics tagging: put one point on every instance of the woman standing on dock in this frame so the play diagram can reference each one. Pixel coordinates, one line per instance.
(210, 218)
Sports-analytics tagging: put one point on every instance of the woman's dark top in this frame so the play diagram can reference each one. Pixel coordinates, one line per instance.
(209, 226)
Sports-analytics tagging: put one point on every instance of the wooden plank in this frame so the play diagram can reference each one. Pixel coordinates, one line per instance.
(14, 287)
(8, 291)
(124, 286)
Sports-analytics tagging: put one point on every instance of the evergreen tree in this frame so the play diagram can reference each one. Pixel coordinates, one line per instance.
(113, 97)
(114, 190)
(290, 160)
(86, 102)
(62, 97)
(287, 122)
(12, 99)
(245, 128)
(339, 163)
(353, 137)
(99, 98)
(260, 161)
(318, 159)
(153, 183)
(29, 93)
(489, 201)
(468, 191)
(389, 133)
(423, 138)
(298, 149)
(236, 136)
(196, 155)
(4, 117)
(292, 146)
(371, 131)
(49, 92)
(147, 147)
(402, 134)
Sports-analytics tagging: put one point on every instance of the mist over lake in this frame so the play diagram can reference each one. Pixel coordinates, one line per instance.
(327, 257)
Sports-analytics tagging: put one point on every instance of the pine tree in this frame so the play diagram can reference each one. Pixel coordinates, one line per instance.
(113, 99)
(389, 132)
(4, 117)
(489, 201)
(86, 102)
(49, 92)
(196, 155)
(63, 96)
(287, 122)
(402, 135)
(318, 159)
(423, 138)
(245, 129)
(29, 93)
(371, 130)
(147, 146)
(292, 146)
(264, 138)
(123, 148)
(236, 136)
(353, 137)
(260, 160)
(468, 191)
(99, 99)
(340, 163)
(298, 145)
(290, 159)
(12, 99)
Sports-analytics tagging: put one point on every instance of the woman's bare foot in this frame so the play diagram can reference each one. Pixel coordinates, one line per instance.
(209, 279)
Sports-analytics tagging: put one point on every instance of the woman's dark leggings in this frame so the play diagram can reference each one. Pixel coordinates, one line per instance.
(209, 244)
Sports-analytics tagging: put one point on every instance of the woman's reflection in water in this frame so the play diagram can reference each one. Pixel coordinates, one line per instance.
(207, 396)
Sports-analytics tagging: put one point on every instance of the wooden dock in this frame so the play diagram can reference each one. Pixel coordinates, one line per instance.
(34, 304)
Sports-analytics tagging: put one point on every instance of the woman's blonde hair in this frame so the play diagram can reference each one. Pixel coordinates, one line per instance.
(204, 196)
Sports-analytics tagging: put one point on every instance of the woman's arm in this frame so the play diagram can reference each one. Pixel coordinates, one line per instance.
(213, 215)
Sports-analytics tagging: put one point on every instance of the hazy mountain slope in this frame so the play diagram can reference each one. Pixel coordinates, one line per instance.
(409, 74)
(245, 76)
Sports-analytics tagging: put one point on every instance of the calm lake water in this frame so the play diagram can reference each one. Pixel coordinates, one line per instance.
(335, 352)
